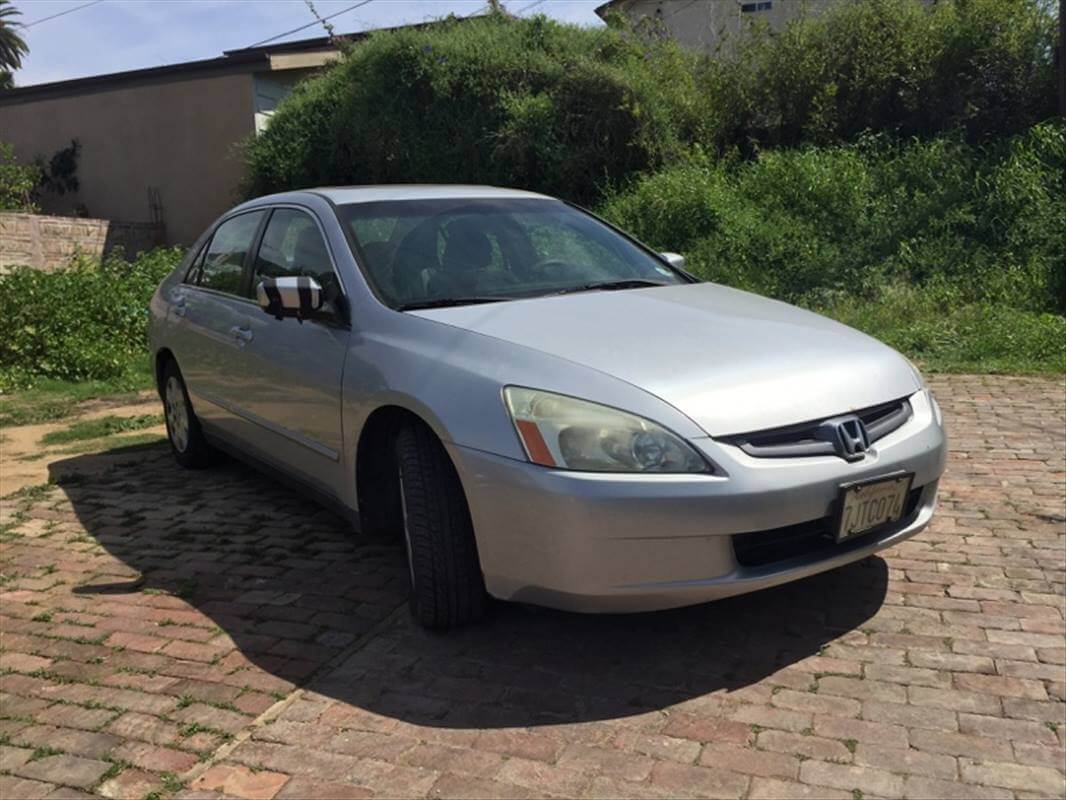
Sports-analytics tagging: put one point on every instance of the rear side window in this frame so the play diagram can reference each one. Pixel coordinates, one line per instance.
(293, 245)
(223, 264)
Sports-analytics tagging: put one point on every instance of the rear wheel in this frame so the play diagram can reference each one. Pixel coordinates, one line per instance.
(187, 440)
(447, 588)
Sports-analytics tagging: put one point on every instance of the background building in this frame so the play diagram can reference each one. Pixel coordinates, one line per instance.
(158, 144)
(710, 25)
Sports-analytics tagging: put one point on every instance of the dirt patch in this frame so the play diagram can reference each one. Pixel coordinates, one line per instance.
(25, 460)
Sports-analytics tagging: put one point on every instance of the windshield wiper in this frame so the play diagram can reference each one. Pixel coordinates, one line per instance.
(445, 302)
(631, 283)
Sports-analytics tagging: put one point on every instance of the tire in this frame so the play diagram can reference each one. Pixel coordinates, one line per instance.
(447, 588)
(187, 441)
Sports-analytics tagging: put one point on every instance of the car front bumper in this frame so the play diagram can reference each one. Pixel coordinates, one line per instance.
(610, 542)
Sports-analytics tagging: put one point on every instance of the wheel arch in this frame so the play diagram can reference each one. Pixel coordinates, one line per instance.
(377, 485)
(162, 357)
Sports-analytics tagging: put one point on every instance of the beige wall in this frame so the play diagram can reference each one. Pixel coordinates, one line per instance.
(176, 135)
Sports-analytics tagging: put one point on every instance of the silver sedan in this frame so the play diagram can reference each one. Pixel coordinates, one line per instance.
(549, 411)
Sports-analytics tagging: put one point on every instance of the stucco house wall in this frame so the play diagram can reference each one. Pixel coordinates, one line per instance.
(177, 136)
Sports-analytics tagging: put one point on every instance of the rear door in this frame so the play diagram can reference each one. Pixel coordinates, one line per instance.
(291, 370)
(212, 331)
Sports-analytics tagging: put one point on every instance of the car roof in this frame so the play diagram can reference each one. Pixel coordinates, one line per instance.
(427, 191)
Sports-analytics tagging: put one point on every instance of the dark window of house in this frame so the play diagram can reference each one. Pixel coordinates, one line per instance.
(293, 245)
(223, 267)
(763, 5)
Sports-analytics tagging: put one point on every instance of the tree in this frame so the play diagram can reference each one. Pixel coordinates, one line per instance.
(12, 45)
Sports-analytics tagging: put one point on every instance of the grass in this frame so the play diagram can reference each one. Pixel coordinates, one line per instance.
(31, 494)
(171, 782)
(101, 427)
(113, 444)
(117, 766)
(50, 400)
(941, 336)
(43, 752)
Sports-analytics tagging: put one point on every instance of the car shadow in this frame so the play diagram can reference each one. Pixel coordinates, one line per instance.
(306, 600)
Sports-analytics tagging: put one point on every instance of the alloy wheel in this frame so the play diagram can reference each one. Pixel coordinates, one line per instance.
(177, 415)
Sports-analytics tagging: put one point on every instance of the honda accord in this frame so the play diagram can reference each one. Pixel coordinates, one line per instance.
(549, 411)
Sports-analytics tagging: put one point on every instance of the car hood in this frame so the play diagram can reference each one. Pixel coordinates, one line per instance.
(733, 362)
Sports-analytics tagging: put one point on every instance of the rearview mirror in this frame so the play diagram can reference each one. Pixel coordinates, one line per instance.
(290, 296)
(675, 260)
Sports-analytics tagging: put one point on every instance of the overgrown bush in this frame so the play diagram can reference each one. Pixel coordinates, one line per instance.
(514, 102)
(569, 111)
(17, 181)
(980, 224)
(984, 66)
(85, 321)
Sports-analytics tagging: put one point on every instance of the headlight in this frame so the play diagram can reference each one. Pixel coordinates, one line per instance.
(560, 431)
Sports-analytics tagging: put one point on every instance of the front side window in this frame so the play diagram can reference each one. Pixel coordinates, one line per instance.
(223, 264)
(452, 251)
(192, 274)
(293, 245)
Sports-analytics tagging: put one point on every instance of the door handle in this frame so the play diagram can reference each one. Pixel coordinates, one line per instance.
(241, 334)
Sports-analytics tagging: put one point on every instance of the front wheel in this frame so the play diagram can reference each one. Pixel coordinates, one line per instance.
(447, 588)
(187, 441)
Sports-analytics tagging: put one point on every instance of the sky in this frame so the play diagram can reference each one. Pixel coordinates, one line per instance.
(117, 35)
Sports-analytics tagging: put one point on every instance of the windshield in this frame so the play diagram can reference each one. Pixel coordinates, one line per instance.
(422, 253)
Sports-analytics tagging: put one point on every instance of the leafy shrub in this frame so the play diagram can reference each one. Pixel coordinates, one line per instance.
(985, 66)
(570, 111)
(516, 102)
(86, 321)
(17, 181)
(975, 224)
(946, 336)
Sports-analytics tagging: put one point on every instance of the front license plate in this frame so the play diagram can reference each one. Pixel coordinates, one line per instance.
(870, 504)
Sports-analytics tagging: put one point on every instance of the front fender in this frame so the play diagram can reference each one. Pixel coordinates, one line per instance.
(453, 379)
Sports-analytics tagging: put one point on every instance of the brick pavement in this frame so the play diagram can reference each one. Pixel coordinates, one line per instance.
(207, 635)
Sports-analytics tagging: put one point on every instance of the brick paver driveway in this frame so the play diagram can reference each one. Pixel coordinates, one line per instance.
(212, 634)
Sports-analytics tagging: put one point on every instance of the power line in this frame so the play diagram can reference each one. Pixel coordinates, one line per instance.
(678, 11)
(522, 11)
(517, 13)
(61, 13)
(317, 21)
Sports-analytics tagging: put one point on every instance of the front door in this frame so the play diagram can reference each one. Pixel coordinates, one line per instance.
(291, 370)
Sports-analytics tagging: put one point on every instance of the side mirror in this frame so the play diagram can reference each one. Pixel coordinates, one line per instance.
(675, 260)
(290, 296)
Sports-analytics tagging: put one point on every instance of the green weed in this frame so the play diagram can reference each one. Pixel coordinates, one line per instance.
(100, 427)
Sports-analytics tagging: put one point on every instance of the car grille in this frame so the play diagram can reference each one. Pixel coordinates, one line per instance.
(805, 440)
(807, 539)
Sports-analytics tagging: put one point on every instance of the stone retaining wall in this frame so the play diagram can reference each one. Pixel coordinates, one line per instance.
(45, 242)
